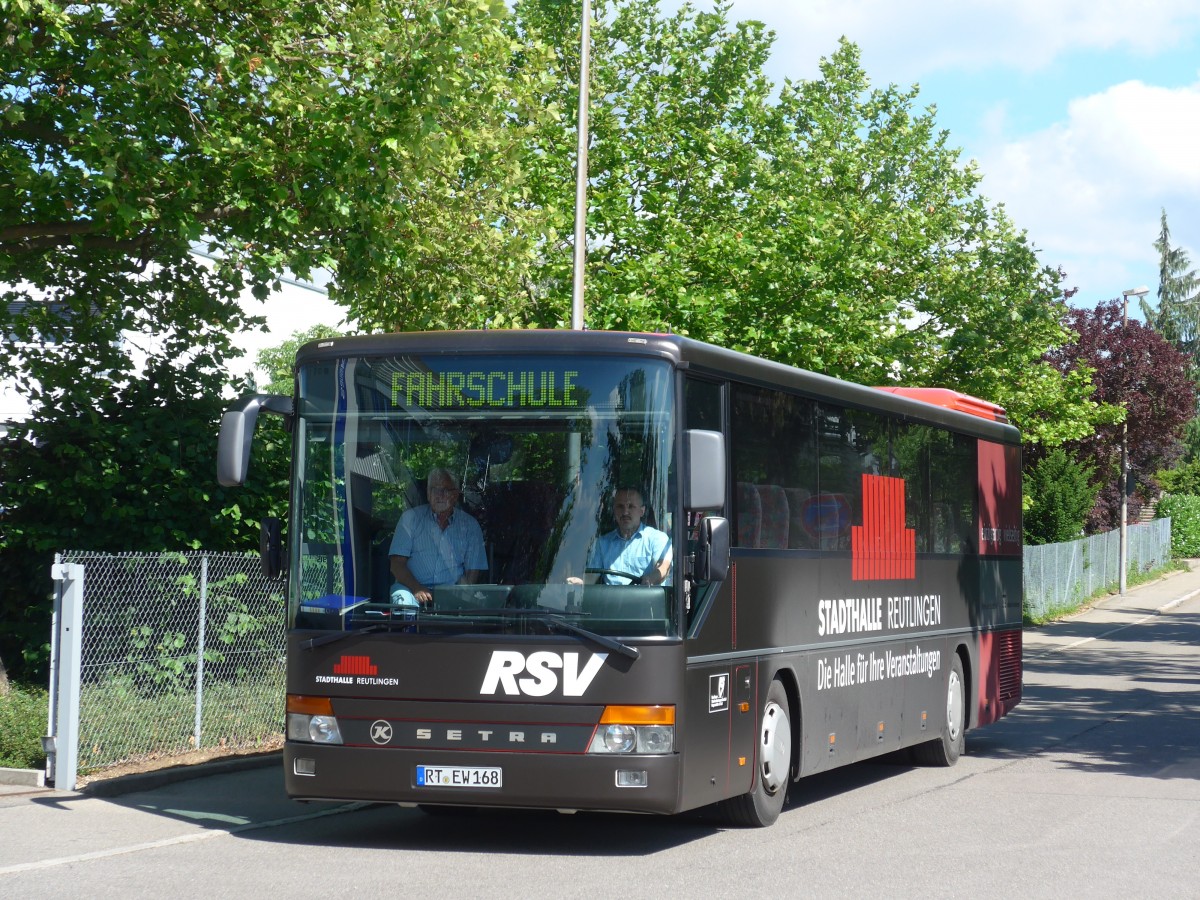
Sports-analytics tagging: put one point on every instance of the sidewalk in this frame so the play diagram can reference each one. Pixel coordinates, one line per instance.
(1116, 611)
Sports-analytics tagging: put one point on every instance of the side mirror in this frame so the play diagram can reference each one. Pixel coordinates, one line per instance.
(704, 484)
(237, 435)
(270, 546)
(712, 549)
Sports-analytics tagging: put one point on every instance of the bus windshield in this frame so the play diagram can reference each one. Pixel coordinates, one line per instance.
(451, 493)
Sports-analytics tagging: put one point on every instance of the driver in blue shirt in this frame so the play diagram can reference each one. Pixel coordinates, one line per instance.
(633, 546)
(435, 544)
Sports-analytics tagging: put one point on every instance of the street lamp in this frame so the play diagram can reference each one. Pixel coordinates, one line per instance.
(581, 168)
(1124, 543)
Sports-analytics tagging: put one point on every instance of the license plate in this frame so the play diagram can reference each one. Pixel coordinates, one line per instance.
(460, 776)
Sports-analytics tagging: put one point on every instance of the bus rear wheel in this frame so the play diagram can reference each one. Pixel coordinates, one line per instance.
(945, 750)
(762, 804)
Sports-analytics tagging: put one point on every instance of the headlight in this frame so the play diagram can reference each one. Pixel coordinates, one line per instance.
(657, 739)
(619, 738)
(313, 729)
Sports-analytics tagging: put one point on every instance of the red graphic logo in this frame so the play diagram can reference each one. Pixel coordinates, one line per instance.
(355, 665)
(881, 547)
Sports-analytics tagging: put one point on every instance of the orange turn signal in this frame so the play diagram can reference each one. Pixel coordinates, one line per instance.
(638, 715)
(309, 706)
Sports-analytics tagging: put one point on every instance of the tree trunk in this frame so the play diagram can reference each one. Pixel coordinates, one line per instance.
(3, 679)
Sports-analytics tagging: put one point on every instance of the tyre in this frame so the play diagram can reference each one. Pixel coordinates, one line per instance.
(945, 750)
(773, 767)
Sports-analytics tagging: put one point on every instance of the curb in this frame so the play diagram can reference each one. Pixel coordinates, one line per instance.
(23, 777)
(147, 781)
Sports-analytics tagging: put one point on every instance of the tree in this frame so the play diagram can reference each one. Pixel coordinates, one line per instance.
(1061, 494)
(1177, 316)
(373, 139)
(376, 140)
(134, 472)
(832, 227)
(279, 361)
(1132, 367)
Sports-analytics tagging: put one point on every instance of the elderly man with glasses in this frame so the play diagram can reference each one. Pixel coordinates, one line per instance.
(435, 544)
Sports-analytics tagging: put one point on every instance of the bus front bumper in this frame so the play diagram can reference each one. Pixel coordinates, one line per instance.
(527, 780)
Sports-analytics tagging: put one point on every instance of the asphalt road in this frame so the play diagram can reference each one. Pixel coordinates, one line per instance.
(1091, 788)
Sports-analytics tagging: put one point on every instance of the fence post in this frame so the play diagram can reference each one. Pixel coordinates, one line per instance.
(200, 645)
(62, 745)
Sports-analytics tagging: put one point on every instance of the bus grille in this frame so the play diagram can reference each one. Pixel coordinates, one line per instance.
(1010, 665)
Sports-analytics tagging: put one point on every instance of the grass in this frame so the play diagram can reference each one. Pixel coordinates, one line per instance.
(121, 722)
(22, 723)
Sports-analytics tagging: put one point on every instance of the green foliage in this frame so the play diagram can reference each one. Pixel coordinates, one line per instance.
(124, 720)
(375, 140)
(1191, 439)
(1149, 383)
(134, 470)
(1183, 479)
(278, 360)
(22, 724)
(144, 614)
(1060, 494)
(830, 225)
(370, 139)
(1177, 316)
(1184, 512)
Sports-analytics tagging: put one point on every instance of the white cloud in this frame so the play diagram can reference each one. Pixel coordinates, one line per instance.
(1090, 188)
(904, 42)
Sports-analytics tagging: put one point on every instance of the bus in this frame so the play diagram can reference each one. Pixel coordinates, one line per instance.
(842, 572)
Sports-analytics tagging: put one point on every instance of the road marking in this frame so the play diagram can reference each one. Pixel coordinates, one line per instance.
(1162, 609)
(181, 839)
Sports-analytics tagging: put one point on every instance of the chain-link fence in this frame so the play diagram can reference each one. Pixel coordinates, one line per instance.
(179, 652)
(1060, 576)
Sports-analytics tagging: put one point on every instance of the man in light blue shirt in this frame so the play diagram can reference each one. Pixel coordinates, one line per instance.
(632, 546)
(435, 544)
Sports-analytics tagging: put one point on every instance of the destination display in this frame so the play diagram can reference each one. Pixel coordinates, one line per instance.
(488, 388)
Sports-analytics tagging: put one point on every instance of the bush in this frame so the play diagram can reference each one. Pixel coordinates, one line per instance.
(22, 724)
(1184, 512)
(1060, 495)
(1183, 479)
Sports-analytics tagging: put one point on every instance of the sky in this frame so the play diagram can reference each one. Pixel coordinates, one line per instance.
(1083, 115)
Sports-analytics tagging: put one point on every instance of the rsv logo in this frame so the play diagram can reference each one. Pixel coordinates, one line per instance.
(541, 673)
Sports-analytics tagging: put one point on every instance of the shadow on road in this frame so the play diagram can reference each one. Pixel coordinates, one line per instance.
(1123, 703)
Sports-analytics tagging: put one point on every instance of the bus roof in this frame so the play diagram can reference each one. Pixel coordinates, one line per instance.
(977, 417)
(952, 400)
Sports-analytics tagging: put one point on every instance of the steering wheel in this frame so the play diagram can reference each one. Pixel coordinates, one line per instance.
(633, 579)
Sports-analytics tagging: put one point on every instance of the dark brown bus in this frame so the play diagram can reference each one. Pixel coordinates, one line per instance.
(827, 572)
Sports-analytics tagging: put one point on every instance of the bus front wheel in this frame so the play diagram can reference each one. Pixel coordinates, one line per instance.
(762, 805)
(945, 750)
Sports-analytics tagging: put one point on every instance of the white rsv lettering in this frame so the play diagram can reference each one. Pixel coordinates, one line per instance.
(542, 670)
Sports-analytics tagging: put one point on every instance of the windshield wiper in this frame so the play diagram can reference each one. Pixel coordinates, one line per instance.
(334, 637)
(557, 621)
(545, 617)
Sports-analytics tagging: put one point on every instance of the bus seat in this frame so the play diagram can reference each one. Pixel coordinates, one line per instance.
(749, 515)
(776, 520)
(517, 518)
(797, 536)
